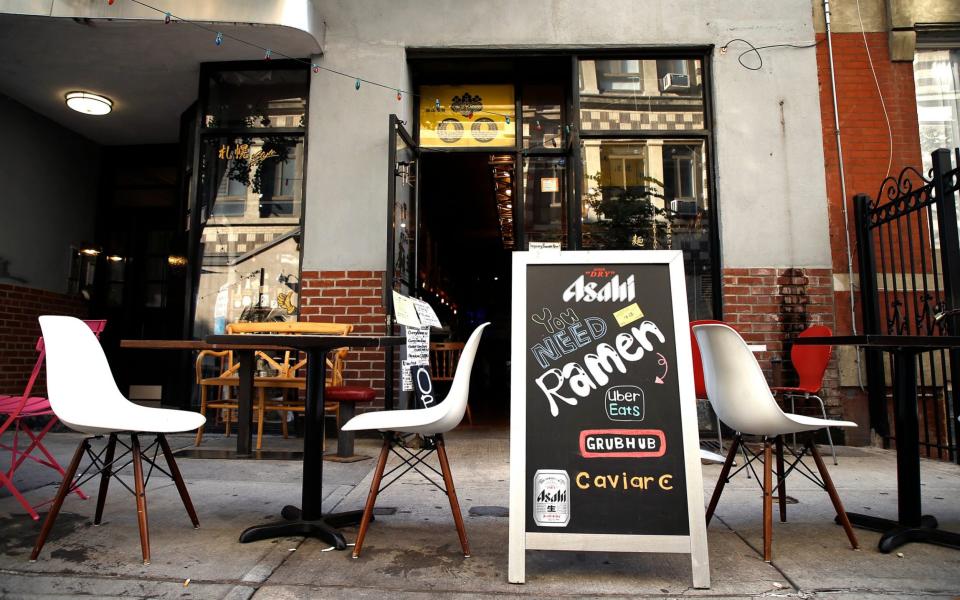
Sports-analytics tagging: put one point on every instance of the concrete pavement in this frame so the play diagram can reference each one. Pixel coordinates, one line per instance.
(412, 551)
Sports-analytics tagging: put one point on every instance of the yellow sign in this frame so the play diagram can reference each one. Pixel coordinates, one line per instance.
(628, 314)
(549, 184)
(468, 116)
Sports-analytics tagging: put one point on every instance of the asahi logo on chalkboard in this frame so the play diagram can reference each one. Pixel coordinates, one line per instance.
(551, 498)
(614, 290)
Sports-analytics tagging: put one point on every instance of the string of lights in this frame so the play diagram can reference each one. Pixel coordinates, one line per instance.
(270, 53)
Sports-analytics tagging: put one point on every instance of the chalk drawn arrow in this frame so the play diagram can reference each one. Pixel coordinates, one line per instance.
(666, 367)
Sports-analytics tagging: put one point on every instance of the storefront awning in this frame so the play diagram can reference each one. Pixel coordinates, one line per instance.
(126, 52)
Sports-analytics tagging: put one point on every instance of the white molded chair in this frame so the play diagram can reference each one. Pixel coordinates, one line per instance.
(85, 398)
(431, 423)
(739, 394)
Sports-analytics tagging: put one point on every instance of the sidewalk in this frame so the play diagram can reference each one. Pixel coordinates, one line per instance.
(412, 550)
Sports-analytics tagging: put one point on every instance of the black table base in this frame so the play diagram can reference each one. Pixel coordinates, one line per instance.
(896, 535)
(325, 528)
(310, 521)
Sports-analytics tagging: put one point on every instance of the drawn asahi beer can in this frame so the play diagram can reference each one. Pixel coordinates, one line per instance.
(551, 498)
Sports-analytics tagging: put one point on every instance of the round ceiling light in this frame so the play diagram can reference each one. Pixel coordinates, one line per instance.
(89, 104)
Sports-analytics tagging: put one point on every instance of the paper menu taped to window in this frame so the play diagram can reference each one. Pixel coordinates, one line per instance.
(405, 311)
(425, 312)
(418, 353)
(406, 377)
(418, 345)
(414, 312)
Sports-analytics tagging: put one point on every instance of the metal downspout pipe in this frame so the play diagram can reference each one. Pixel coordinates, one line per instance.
(843, 180)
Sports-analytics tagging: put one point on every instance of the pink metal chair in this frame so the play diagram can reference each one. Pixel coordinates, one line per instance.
(19, 408)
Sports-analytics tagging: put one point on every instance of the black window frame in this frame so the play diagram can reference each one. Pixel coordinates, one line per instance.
(573, 133)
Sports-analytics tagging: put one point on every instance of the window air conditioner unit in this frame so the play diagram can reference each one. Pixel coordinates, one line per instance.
(683, 207)
(673, 82)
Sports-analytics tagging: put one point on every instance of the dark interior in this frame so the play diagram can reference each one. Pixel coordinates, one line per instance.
(462, 257)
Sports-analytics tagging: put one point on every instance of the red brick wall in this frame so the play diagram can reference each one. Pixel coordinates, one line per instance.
(353, 297)
(866, 154)
(771, 306)
(864, 134)
(19, 308)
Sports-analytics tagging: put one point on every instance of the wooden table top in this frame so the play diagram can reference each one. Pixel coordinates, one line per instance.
(306, 341)
(194, 345)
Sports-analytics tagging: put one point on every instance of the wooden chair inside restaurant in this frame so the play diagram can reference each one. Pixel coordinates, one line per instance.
(285, 366)
(444, 357)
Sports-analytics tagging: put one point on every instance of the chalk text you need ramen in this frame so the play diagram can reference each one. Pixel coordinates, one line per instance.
(573, 380)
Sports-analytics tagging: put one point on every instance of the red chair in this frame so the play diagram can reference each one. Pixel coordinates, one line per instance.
(810, 363)
(19, 408)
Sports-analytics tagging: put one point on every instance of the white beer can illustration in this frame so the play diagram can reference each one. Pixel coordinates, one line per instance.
(551, 498)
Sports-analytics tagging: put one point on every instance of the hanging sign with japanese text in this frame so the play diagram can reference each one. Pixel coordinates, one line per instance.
(604, 449)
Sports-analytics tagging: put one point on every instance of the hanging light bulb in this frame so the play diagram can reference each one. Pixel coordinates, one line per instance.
(316, 69)
(539, 126)
(166, 18)
(399, 97)
(508, 119)
(436, 103)
(267, 54)
(219, 39)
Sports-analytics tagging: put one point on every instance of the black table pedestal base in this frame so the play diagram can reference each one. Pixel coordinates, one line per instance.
(896, 535)
(325, 528)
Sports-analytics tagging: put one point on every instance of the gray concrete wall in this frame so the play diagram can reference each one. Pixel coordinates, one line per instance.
(771, 187)
(48, 199)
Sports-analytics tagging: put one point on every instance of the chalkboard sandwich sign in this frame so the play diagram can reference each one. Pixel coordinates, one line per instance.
(604, 449)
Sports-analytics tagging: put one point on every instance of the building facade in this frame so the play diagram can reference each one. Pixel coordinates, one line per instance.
(292, 192)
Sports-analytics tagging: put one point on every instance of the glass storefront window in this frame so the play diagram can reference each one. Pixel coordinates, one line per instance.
(251, 198)
(257, 99)
(650, 194)
(544, 211)
(542, 117)
(641, 95)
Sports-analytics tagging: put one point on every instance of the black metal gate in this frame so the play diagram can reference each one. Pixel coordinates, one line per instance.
(909, 248)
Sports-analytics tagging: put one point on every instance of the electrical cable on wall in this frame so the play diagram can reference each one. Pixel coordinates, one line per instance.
(756, 50)
(883, 103)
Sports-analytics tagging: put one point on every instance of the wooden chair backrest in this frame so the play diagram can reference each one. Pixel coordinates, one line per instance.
(284, 367)
(444, 357)
(281, 327)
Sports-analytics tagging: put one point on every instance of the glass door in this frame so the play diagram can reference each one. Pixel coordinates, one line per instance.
(402, 225)
(402, 212)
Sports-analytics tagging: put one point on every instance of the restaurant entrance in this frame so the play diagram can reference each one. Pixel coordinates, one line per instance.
(464, 262)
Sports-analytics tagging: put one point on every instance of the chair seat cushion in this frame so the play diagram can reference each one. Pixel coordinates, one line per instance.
(349, 393)
(134, 417)
(35, 405)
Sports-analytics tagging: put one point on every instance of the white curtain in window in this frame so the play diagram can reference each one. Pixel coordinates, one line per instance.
(937, 79)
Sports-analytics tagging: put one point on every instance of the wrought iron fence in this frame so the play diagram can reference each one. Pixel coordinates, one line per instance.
(909, 254)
